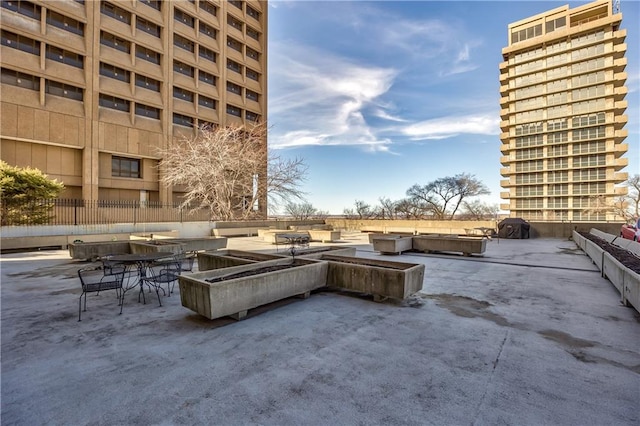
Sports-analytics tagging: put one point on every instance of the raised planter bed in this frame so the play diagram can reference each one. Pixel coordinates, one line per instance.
(249, 286)
(392, 244)
(157, 246)
(380, 278)
(228, 258)
(465, 245)
(318, 252)
(323, 235)
(93, 250)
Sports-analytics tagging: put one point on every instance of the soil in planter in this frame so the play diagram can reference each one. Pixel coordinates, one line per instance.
(251, 272)
(623, 256)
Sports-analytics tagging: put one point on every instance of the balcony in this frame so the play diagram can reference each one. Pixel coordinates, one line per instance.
(620, 135)
(505, 206)
(505, 195)
(619, 93)
(620, 163)
(505, 171)
(504, 125)
(619, 149)
(505, 183)
(505, 148)
(619, 65)
(621, 190)
(620, 107)
(505, 159)
(619, 177)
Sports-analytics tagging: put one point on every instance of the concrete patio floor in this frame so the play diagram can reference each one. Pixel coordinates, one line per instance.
(528, 334)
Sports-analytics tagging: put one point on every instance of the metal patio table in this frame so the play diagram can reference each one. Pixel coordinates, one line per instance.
(142, 262)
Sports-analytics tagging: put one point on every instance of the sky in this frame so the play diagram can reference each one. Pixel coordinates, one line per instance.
(376, 96)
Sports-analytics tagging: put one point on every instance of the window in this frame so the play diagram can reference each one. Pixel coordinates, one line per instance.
(183, 43)
(234, 66)
(587, 120)
(148, 27)
(25, 8)
(112, 71)
(254, 34)
(206, 102)
(147, 54)
(113, 102)
(147, 83)
(182, 94)
(526, 33)
(558, 124)
(156, 4)
(115, 12)
(65, 56)
(185, 18)
(147, 111)
(588, 133)
(253, 54)
(208, 30)
(251, 116)
(64, 90)
(15, 78)
(208, 7)
(125, 167)
(234, 44)
(251, 95)
(207, 78)
(182, 120)
(554, 24)
(232, 110)
(253, 75)
(64, 22)
(182, 68)
(234, 88)
(19, 42)
(207, 54)
(236, 3)
(117, 43)
(253, 13)
(235, 23)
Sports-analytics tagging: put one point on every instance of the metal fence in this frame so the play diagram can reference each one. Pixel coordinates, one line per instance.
(94, 212)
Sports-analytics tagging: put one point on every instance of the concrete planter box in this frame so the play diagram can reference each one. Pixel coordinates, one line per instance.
(594, 252)
(235, 296)
(374, 235)
(156, 246)
(631, 294)
(201, 244)
(229, 258)
(465, 245)
(579, 240)
(380, 278)
(318, 252)
(392, 245)
(98, 249)
(614, 271)
(603, 235)
(323, 235)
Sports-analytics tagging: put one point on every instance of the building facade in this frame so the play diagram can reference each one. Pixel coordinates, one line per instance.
(91, 89)
(562, 88)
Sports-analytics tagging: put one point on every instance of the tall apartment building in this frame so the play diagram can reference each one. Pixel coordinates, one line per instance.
(562, 88)
(91, 89)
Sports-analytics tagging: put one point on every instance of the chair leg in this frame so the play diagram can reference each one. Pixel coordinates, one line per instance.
(158, 294)
(80, 308)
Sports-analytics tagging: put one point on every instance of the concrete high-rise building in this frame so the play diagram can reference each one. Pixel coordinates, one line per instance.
(91, 89)
(562, 88)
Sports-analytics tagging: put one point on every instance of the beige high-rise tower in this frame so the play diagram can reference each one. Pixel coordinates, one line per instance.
(562, 88)
(90, 88)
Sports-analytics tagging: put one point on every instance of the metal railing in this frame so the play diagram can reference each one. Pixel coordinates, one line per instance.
(94, 212)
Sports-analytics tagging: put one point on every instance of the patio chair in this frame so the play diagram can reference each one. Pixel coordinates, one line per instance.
(159, 273)
(95, 279)
(180, 263)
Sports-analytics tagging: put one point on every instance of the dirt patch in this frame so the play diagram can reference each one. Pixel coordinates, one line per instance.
(566, 339)
(262, 270)
(628, 259)
(467, 307)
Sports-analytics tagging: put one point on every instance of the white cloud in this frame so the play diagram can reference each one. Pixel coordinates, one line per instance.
(446, 127)
(325, 98)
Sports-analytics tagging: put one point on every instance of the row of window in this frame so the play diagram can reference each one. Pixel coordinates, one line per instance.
(584, 107)
(51, 87)
(560, 150)
(557, 176)
(560, 46)
(250, 11)
(55, 19)
(560, 124)
(558, 85)
(559, 98)
(561, 72)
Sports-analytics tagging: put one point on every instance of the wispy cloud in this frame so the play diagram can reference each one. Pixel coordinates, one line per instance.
(446, 127)
(325, 98)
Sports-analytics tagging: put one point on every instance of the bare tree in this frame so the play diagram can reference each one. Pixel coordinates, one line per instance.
(300, 211)
(284, 178)
(443, 197)
(362, 211)
(387, 209)
(479, 210)
(633, 195)
(225, 169)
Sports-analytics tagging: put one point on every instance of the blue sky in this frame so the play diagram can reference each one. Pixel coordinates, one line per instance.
(378, 96)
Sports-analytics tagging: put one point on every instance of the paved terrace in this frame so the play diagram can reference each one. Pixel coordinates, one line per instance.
(529, 334)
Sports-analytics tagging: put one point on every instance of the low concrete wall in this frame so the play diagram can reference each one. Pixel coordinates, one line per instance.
(87, 251)
(318, 252)
(235, 296)
(392, 245)
(380, 278)
(464, 245)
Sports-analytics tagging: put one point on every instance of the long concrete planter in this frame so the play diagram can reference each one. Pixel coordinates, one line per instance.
(157, 246)
(595, 253)
(374, 235)
(614, 271)
(631, 294)
(228, 258)
(322, 235)
(318, 252)
(380, 278)
(465, 245)
(87, 251)
(392, 245)
(202, 244)
(235, 296)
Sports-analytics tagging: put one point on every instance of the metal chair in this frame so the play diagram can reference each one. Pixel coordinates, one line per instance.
(180, 263)
(159, 273)
(95, 279)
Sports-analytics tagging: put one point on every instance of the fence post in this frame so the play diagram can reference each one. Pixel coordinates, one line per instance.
(75, 211)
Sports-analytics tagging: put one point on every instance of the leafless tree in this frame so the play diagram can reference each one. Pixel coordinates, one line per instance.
(387, 209)
(228, 171)
(362, 211)
(284, 178)
(442, 198)
(300, 211)
(479, 210)
(633, 195)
